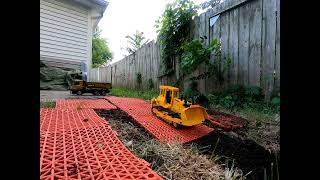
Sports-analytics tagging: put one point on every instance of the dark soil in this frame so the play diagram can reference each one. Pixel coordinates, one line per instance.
(248, 155)
(236, 145)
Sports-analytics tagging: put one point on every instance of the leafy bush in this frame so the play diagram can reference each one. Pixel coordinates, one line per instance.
(101, 52)
(139, 79)
(135, 41)
(191, 93)
(197, 52)
(194, 53)
(237, 97)
(150, 84)
(253, 93)
(275, 103)
(174, 30)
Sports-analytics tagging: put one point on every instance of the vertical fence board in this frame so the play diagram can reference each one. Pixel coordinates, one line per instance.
(243, 45)
(234, 45)
(255, 42)
(277, 78)
(224, 23)
(269, 33)
(202, 33)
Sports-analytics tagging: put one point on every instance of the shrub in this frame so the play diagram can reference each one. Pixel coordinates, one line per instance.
(237, 96)
(150, 84)
(139, 79)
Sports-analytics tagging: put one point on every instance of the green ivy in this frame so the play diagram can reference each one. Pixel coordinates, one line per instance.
(150, 84)
(197, 52)
(139, 79)
(174, 30)
(240, 96)
(191, 93)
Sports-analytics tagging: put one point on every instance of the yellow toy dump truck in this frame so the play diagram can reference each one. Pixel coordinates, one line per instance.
(169, 107)
(80, 86)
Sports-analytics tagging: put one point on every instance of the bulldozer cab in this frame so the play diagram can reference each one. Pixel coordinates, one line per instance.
(168, 94)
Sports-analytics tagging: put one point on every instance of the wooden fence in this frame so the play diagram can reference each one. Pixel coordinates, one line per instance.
(249, 31)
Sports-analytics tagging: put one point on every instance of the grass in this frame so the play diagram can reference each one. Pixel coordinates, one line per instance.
(252, 113)
(134, 93)
(233, 173)
(47, 104)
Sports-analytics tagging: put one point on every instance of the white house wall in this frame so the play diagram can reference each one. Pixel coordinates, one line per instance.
(65, 30)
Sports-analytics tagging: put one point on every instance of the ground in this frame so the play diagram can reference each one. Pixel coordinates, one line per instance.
(215, 156)
(54, 95)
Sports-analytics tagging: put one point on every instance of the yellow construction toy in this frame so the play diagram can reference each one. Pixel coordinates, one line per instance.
(169, 107)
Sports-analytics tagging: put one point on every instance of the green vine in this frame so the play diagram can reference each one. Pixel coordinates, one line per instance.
(174, 30)
(197, 52)
(150, 83)
(139, 79)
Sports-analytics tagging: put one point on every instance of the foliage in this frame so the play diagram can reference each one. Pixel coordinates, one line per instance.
(135, 41)
(139, 79)
(275, 103)
(150, 84)
(237, 96)
(191, 93)
(196, 53)
(101, 53)
(173, 30)
(209, 3)
(249, 97)
(123, 92)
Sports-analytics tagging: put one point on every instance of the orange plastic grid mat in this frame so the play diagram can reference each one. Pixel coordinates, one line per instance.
(84, 104)
(227, 122)
(78, 144)
(140, 110)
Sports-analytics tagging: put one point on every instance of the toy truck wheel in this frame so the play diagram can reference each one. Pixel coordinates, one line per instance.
(96, 93)
(103, 93)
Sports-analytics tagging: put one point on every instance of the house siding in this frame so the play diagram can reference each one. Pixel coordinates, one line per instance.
(65, 30)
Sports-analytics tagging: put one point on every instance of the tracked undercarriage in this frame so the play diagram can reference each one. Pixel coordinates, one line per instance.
(167, 115)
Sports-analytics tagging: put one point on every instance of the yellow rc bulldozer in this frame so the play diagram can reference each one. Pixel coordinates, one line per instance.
(169, 107)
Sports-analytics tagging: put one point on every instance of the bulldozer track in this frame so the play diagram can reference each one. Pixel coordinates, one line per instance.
(170, 113)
